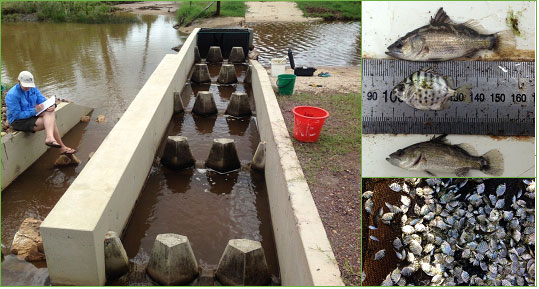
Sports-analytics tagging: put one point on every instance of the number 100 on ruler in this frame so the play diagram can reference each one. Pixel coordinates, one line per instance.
(502, 100)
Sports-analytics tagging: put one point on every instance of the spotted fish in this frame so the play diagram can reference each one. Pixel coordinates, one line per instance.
(442, 40)
(428, 90)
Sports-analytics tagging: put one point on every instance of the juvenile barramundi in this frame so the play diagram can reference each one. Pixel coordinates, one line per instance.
(427, 90)
(442, 39)
(436, 155)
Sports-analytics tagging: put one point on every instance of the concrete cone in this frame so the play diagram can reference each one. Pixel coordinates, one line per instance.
(197, 55)
(201, 74)
(227, 75)
(239, 105)
(243, 264)
(236, 55)
(204, 104)
(172, 261)
(223, 156)
(177, 154)
(214, 55)
(248, 74)
(116, 261)
(178, 104)
(259, 159)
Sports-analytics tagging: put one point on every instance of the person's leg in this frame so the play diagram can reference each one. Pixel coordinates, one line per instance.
(47, 121)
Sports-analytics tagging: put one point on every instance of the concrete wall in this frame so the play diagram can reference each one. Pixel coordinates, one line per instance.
(103, 195)
(21, 149)
(304, 251)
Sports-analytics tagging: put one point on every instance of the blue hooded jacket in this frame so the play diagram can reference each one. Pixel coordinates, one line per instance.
(21, 104)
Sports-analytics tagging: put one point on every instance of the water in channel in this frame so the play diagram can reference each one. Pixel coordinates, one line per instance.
(104, 66)
(207, 207)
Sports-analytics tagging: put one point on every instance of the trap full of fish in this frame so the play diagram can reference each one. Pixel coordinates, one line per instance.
(450, 232)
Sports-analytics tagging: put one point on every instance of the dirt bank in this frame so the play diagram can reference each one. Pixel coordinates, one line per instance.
(342, 80)
(230, 22)
(151, 8)
(275, 12)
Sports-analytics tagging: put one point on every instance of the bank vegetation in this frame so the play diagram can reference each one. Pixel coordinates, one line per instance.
(331, 10)
(68, 11)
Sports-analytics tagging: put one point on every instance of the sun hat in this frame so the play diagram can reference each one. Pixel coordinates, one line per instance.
(26, 79)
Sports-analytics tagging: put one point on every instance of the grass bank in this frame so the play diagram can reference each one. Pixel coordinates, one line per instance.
(340, 134)
(334, 10)
(332, 170)
(69, 11)
(189, 10)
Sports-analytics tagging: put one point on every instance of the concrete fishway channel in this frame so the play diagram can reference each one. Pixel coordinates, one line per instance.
(129, 186)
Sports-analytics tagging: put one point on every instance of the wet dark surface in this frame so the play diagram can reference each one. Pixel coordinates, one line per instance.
(207, 207)
(313, 43)
(376, 271)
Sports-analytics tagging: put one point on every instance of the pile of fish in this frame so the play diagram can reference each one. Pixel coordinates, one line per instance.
(457, 235)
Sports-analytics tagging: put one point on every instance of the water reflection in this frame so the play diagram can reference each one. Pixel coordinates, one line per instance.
(314, 44)
(101, 66)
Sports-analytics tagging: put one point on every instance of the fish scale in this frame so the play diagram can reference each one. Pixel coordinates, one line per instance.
(503, 99)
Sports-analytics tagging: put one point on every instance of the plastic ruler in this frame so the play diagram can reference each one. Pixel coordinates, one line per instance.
(502, 99)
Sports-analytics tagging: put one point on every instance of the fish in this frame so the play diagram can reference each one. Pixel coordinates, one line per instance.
(428, 90)
(437, 155)
(442, 39)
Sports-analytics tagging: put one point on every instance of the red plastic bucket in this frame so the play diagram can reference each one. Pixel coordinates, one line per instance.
(308, 122)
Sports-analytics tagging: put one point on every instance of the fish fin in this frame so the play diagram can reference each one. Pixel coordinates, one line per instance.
(493, 164)
(468, 148)
(466, 90)
(440, 138)
(430, 173)
(446, 104)
(462, 172)
(428, 69)
(474, 25)
(450, 81)
(505, 42)
(440, 17)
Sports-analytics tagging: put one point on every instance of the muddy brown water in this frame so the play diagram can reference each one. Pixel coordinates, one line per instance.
(207, 207)
(313, 43)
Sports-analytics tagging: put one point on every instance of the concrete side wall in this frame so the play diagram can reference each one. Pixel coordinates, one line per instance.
(21, 149)
(103, 195)
(304, 251)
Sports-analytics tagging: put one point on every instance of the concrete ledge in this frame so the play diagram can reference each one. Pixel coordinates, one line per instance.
(21, 149)
(304, 251)
(103, 195)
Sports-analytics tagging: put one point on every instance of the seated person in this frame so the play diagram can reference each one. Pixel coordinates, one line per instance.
(23, 102)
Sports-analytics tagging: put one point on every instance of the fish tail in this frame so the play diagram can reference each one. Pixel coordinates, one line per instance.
(504, 42)
(466, 90)
(492, 163)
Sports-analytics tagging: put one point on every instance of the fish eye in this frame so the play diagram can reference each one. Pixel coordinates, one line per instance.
(400, 87)
(398, 44)
(400, 152)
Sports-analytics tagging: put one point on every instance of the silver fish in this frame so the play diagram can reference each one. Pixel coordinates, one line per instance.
(442, 39)
(437, 155)
(380, 254)
(428, 90)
